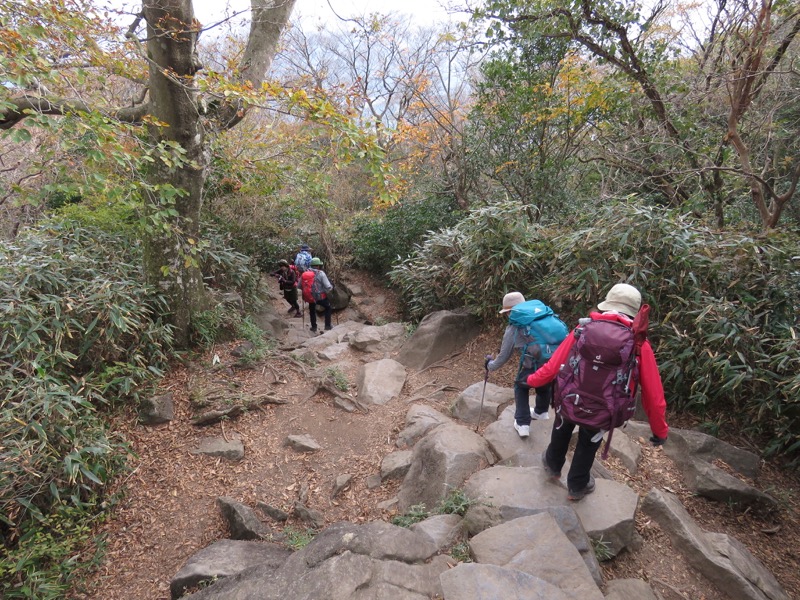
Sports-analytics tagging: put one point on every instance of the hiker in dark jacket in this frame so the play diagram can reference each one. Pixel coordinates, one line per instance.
(621, 304)
(316, 279)
(517, 338)
(288, 280)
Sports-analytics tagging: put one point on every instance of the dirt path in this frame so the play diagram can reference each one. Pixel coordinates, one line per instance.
(167, 510)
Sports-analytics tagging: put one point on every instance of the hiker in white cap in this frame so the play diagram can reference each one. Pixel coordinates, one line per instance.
(519, 337)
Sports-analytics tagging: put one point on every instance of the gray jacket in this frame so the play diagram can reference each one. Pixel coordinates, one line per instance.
(323, 279)
(514, 337)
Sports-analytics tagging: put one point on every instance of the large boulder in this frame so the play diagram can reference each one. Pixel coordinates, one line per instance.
(489, 582)
(420, 419)
(380, 381)
(512, 449)
(722, 559)
(375, 338)
(339, 297)
(359, 562)
(481, 401)
(442, 461)
(607, 514)
(439, 335)
(225, 558)
(536, 545)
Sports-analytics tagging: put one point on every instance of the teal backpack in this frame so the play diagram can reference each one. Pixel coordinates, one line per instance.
(542, 325)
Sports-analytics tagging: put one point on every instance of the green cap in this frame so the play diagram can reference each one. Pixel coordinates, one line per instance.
(316, 262)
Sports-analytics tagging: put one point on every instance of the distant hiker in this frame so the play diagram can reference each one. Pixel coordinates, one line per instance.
(598, 368)
(316, 287)
(288, 280)
(303, 258)
(536, 332)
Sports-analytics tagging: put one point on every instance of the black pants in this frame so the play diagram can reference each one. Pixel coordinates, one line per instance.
(582, 460)
(522, 394)
(312, 307)
(291, 297)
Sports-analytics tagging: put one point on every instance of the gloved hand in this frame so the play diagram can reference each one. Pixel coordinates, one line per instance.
(489, 358)
(657, 441)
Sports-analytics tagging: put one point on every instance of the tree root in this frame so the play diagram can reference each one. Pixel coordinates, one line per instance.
(212, 416)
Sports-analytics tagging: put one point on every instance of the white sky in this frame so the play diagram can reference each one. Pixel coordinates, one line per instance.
(319, 12)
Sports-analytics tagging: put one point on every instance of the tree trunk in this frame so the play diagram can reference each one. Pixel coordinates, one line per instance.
(177, 178)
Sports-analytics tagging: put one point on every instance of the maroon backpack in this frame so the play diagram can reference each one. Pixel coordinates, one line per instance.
(596, 386)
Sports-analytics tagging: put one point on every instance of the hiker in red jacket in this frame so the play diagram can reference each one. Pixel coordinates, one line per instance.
(621, 304)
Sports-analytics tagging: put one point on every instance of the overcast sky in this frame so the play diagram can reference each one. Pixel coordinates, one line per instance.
(321, 12)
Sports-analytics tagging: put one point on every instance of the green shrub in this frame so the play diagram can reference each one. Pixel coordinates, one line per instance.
(297, 539)
(381, 238)
(415, 514)
(493, 250)
(80, 332)
(226, 269)
(724, 314)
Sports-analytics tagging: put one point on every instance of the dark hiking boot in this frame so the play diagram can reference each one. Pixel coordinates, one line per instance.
(580, 494)
(291, 308)
(298, 314)
(313, 330)
(328, 328)
(551, 473)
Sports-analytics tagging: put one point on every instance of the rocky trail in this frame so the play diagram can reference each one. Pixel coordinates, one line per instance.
(319, 442)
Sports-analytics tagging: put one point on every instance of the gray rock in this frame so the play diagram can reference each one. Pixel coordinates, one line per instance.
(467, 406)
(721, 558)
(711, 482)
(157, 410)
(242, 521)
(374, 338)
(368, 562)
(489, 582)
(444, 530)
(225, 558)
(626, 450)
(442, 461)
(339, 297)
(439, 335)
(333, 352)
(303, 443)
(309, 516)
(388, 505)
(482, 516)
(241, 349)
(341, 483)
(629, 589)
(380, 381)
(512, 449)
(536, 545)
(685, 443)
(272, 512)
(607, 514)
(420, 419)
(373, 481)
(232, 449)
(270, 323)
(395, 465)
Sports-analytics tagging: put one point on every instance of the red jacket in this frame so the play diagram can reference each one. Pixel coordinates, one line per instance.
(652, 389)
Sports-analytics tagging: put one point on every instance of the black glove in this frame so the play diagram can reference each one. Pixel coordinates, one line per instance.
(657, 441)
(489, 358)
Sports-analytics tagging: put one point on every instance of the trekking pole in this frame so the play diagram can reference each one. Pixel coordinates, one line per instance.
(303, 303)
(483, 394)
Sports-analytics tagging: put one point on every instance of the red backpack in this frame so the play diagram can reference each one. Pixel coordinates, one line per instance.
(306, 283)
(296, 273)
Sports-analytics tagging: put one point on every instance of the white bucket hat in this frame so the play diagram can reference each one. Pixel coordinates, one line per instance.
(510, 300)
(622, 298)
